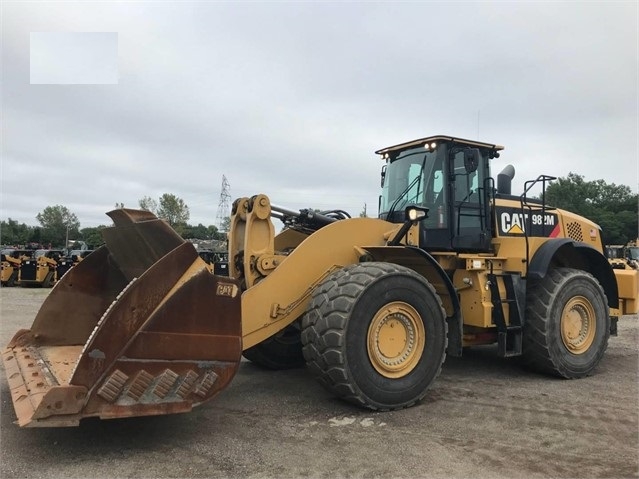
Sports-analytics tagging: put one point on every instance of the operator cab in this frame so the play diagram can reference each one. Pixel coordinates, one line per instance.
(449, 176)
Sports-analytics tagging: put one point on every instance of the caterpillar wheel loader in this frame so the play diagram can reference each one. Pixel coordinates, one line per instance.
(619, 258)
(40, 269)
(10, 261)
(371, 305)
(632, 253)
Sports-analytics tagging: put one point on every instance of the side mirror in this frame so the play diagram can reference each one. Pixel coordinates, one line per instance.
(383, 174)
(471, 159)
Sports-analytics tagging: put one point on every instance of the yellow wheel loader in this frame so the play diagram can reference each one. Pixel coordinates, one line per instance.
(371, 305)
(40, 269)
(10, 261)
(632, 253)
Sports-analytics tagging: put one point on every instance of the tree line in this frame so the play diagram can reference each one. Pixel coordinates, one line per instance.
(58, 225)
(613, 207)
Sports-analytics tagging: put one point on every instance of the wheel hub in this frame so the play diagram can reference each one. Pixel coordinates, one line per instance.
(578, 325)
(396, 339)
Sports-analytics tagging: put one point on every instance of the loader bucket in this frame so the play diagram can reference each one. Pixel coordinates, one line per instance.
(139, 327)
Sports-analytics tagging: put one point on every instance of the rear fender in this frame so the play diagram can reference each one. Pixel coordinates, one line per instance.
(564, 252)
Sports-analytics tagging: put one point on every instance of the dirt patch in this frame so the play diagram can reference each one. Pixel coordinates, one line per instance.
(484, 417)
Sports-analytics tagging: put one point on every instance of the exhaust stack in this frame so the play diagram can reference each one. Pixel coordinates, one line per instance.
(504, 180)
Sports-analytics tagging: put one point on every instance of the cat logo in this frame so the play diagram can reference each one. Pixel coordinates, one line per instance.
(515, 229)
(514, 222)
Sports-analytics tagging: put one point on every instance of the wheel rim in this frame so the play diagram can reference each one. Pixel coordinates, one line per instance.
(578, 325)
(396, 338)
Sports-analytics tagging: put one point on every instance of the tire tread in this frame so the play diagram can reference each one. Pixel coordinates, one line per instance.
(324, 328)
(537, 343)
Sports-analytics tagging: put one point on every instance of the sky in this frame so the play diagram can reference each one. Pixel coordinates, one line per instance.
(291, 99)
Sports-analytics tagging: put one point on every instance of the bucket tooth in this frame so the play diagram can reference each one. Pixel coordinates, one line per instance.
(113, 386)
(205, 385)
(187, 384)
(165, 383)
(139, 385)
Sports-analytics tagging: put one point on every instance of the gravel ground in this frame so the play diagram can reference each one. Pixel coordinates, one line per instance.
(484, 417)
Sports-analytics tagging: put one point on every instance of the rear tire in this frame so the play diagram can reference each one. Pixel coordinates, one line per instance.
(567, 324)
(281, 351)
(375, 334)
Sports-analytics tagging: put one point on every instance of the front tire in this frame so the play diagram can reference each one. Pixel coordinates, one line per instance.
(375, 334)
(567, 324)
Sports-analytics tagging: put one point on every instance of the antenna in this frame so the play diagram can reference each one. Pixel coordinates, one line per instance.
(224, 207)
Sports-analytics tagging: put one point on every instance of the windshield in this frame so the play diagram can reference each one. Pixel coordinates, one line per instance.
(414, 178)
(633, 252)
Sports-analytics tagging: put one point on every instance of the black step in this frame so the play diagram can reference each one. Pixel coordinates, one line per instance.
(509, 342)
(509, 336)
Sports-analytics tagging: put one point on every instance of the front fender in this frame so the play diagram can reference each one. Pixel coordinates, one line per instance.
(426, 265)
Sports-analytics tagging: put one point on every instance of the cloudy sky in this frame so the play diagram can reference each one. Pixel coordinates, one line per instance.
(291, 99)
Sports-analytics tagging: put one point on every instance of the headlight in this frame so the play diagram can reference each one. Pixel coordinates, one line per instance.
(416, 213)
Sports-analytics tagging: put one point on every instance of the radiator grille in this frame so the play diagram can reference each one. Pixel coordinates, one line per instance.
(574, 231)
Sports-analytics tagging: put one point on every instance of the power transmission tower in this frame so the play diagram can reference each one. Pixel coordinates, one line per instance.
(224, 208)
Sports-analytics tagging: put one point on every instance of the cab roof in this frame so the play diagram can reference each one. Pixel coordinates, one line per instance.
(429, 139)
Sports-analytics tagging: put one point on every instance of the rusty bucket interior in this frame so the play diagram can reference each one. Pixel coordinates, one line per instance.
(139, 327)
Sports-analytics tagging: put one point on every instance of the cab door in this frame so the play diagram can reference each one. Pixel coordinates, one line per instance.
(468, 204)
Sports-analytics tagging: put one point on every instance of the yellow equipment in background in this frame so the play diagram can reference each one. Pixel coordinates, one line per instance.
(632, 253)
(10, 261)
(65, 263)
(39, 269)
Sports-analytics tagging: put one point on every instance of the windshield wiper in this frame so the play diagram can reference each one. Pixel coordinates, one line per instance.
(394, 205)
(407, 189)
